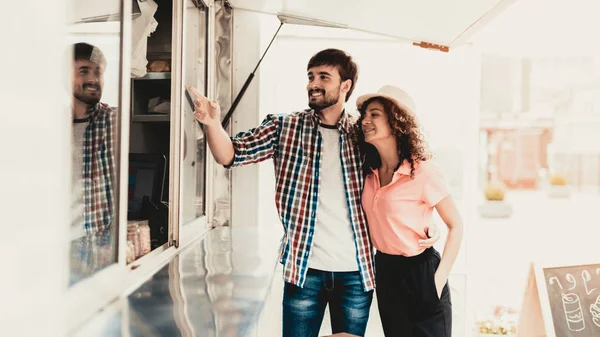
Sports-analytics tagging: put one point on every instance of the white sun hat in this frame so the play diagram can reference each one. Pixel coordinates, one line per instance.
(394, 94)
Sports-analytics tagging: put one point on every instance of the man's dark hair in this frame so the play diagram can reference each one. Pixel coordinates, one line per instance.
(85, 51)
(341, 61)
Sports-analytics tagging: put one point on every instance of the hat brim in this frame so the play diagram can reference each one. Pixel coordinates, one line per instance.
(362, 99)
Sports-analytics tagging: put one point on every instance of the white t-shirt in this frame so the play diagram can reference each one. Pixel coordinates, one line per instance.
(77, 230)
(333, 247)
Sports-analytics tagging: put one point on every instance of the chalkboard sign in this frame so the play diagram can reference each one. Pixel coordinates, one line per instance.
(561, 300)
(574, 297)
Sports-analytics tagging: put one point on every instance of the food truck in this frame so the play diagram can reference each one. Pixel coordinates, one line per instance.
(190, 248)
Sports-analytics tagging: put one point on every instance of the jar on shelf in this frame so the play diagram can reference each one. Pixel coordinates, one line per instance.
(133, 235)
(130, 252)
(144, 230)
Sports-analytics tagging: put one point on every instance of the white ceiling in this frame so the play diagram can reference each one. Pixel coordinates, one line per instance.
(442, 22)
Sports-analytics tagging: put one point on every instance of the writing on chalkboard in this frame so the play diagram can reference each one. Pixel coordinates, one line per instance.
(574, 294)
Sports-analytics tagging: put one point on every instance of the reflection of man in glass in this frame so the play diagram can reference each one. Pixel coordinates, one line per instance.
(93, 137)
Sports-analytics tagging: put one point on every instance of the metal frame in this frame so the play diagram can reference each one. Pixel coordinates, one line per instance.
(123, 153)
(221, 84)
(210, 89)
(185, 232)
(176, 123)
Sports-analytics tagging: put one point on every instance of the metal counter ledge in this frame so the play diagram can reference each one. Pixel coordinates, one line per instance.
(215, 287)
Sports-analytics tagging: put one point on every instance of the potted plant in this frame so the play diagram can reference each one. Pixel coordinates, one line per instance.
(502, 323)
(558, 186)
(495, 206)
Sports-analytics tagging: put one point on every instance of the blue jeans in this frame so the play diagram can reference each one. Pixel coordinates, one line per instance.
(304, 308)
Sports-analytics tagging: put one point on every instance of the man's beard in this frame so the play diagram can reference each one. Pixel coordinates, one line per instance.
(86, 98)
(326, 101)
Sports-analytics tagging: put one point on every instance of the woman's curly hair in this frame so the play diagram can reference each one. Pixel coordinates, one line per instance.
(411, 143)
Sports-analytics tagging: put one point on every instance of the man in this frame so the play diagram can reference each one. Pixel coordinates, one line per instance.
(93, 137)
(326, 251)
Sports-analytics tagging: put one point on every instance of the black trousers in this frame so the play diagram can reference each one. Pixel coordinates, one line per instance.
(407, 296)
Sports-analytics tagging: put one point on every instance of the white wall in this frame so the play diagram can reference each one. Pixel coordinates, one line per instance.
(34, 169)
(253, 203)
(246, 52)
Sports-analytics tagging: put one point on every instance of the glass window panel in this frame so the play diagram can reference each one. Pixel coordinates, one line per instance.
(194, 147)
(149, 131)
(93, 50)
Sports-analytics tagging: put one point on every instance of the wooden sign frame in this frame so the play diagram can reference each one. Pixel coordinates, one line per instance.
(536, 319)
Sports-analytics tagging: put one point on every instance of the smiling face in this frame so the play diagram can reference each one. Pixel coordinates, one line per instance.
(375, 123)
(325, 87)
(88, 81)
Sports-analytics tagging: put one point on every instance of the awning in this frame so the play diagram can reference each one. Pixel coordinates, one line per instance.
(561, 28)
(437, 24)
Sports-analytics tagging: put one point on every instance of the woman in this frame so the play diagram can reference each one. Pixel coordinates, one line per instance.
(402, 187)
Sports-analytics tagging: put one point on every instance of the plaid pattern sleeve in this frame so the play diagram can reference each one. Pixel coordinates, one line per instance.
(292, 141)
(257, 144)
(99, 169)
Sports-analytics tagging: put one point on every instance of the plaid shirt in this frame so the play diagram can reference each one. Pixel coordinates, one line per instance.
(98, 169)
(294, 143)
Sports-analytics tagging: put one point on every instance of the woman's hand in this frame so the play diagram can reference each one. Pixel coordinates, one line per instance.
(434, 235)
(440, 282)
